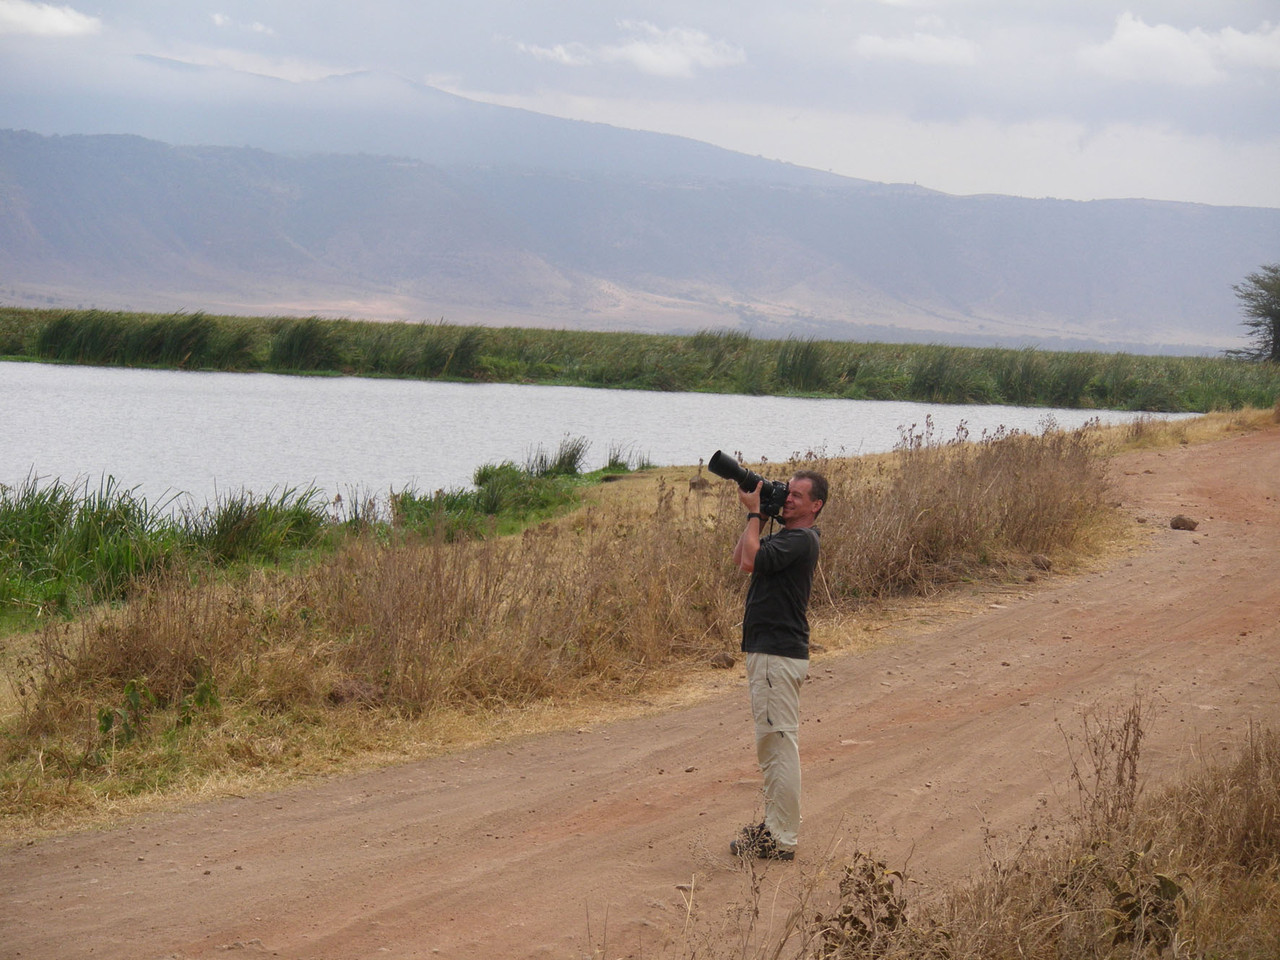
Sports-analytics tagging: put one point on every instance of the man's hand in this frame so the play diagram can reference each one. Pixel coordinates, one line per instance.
(748, 545)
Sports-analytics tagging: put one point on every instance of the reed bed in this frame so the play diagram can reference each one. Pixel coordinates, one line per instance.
(719, 361)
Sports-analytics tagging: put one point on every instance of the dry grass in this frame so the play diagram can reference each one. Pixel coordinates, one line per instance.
(1149, 432)
(1192, 873)
(1189, 873)
(946, 512)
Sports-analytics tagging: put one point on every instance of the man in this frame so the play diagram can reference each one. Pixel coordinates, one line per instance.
(775, 638)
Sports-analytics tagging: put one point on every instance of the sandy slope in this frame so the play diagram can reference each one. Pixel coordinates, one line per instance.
(574, 843)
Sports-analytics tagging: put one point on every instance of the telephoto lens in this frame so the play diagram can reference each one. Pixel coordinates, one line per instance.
(773, 495)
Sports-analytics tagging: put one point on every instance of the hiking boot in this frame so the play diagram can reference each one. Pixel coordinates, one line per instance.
(757, 841)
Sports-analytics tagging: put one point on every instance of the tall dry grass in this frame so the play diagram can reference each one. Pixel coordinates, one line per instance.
(1190, 872)
(942, 510)
(589, 605)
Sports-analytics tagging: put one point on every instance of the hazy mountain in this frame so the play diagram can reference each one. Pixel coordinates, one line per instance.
(601, 228)
(381, 114)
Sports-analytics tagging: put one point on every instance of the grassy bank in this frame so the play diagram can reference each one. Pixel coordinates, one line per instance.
(723, 362)
(205, 676)
(67, 545)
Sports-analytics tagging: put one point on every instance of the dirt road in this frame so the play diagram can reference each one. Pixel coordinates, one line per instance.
(574, 844)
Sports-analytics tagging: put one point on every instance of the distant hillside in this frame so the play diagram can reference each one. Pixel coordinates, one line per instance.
(120, 221)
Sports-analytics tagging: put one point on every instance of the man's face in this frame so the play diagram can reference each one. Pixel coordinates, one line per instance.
(800, 508)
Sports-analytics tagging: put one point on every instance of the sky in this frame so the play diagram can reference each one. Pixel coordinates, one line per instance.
(1075, 99)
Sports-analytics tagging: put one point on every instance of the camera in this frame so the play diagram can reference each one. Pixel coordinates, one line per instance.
(773, 494)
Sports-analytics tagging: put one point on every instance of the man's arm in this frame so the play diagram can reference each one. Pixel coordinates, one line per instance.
(744, 553)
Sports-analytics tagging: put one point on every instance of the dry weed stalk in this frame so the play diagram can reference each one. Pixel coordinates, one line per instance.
(1106, 771)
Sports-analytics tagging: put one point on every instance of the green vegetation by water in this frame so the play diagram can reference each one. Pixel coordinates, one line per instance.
(64, 545)
(717, 362)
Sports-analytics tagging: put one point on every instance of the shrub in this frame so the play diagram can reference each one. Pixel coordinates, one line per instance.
(240, 526)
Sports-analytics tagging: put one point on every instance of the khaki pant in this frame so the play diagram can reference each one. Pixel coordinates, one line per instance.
(774, 683)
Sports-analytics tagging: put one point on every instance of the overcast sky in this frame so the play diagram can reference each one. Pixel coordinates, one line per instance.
(1080, 99)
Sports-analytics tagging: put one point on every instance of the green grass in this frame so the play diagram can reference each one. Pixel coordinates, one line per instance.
(720, 362)
(243, 527)
(506, 497)
(65, 545)
(61, 544)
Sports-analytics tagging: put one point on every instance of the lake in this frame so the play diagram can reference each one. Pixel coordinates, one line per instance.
(205, 434)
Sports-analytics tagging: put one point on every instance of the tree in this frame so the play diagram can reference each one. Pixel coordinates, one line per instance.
(1259, 295)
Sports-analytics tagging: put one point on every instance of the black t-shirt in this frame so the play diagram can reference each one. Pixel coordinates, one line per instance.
(775, 620)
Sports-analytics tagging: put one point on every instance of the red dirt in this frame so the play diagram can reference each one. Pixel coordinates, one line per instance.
(573, 844)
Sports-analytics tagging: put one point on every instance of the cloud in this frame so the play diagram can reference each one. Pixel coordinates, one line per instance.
(924, 48)
(675, 53)
(564, 54)
(1137, 52)
(223, 21)
(242, 61)
(44, 20)
(1258, 49)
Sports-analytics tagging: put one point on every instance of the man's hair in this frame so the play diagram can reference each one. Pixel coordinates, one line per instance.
(818, 484)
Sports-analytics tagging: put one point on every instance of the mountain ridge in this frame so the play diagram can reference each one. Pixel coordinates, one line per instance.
(667, 245)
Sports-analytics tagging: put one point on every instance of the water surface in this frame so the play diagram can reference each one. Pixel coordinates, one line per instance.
(169, 432)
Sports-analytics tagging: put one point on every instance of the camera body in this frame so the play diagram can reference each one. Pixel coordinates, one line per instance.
(773, 494)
